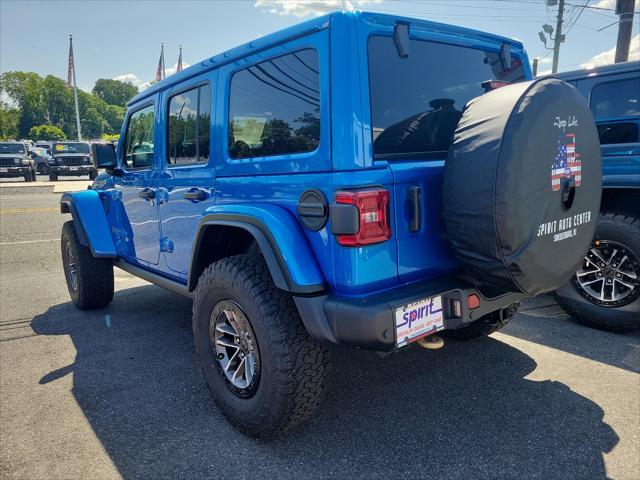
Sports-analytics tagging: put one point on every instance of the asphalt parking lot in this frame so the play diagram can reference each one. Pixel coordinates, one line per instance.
(115, 393)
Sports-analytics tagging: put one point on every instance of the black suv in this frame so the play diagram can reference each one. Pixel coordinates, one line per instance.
(15, 161)
(71, 158)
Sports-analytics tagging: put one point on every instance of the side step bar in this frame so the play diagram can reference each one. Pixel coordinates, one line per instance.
(154, 278)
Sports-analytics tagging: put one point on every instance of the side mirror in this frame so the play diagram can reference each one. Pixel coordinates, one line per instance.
(104, 155)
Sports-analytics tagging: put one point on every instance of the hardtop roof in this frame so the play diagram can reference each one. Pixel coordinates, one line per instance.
(300, 30)
(597, 71)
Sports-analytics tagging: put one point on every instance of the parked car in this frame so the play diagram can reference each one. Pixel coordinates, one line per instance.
(15, 161)
(44, 144)
(296, 188)
(41, 158)
(605, 291)
(71, 158)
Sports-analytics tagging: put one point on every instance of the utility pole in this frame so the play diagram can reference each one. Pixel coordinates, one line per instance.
(535, 67)
(559, 37)
(624, 8)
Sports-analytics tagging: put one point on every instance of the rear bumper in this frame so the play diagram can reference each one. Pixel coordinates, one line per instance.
(66, 170)
(369, 323)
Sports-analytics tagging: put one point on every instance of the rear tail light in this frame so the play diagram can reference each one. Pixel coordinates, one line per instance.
(372, 213)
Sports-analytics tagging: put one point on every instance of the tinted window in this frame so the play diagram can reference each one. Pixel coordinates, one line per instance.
(189, 121)
(616, 99)
(70, 148)
(274, 107)
(11, 148)
(624, 132)
(416, 102)
(138, 151)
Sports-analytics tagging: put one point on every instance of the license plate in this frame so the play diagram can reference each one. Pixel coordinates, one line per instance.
(418, 319)
(73, 168)
(4, 170)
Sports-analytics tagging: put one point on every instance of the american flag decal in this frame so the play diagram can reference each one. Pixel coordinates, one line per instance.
(566, 163)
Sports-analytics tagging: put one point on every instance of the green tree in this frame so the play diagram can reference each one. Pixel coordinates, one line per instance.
(46, 132)
(26, 90)
(58, 100)
(114, 92)
(9, 118)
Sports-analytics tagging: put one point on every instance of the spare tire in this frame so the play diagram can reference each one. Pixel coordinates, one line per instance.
(522, 186)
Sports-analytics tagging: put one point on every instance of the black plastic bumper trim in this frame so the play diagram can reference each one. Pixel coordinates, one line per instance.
(369, 323)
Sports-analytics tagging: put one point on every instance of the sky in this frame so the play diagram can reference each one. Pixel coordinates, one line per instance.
(121, 39)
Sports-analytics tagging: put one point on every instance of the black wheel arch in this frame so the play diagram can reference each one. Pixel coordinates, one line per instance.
(222, 235)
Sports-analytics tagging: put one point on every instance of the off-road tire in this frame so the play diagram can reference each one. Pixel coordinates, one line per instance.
(53, 177)
(293, 366)
(93, 175)
(614, 226)
(94, 275)
(484, 326)
(29, 176)
(43, 169)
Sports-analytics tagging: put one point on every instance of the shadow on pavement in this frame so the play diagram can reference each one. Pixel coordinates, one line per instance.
(462, 412)
(542, 321)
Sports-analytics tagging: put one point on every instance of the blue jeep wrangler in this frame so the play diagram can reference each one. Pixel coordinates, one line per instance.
(357, 179)
(605, 291)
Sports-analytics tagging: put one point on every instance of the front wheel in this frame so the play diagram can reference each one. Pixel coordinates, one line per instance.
(43, 169)
(53, 177)
(30, 176)
(89, 279)
(93, 175)
(264, 371)
(605, 291)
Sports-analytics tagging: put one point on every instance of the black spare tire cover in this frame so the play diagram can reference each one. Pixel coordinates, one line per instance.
(522, 186)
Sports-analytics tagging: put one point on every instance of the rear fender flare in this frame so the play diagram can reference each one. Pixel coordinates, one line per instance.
(291, 263)
(90, 221)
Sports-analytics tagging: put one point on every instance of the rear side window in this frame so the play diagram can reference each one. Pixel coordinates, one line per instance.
(138, 152)
(189, 125)
(274, 107)
(616, 99)
(416, 102)
(618, 132)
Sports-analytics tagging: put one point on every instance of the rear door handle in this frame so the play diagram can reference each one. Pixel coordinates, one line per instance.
(195, 195)
(147, 194)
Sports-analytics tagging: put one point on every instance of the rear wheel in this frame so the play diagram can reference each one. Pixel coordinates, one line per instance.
(89, 279)
(264, 371)
(605, 291)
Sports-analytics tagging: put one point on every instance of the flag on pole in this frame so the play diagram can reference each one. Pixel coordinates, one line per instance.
(71, 81)
(160, 72)
(70, 65)
(179, 68)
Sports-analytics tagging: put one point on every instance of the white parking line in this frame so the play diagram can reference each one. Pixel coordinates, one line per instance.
(31, 241)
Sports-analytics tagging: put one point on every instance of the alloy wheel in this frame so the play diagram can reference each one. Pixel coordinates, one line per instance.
(609, 274)
(73, 269)
(235, 347)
